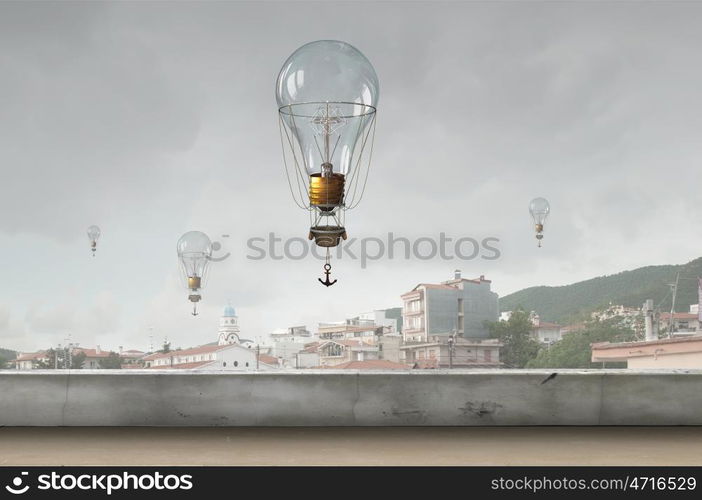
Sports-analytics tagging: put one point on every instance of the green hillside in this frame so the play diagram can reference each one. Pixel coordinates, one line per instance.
(5, 356)
(569, 303)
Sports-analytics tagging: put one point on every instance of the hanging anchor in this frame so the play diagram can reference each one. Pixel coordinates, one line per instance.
(327, 271)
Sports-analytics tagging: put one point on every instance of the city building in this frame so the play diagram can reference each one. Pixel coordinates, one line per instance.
(389, 345)
(676, 352)
(546, 332)
(543, 332)
(131, 358)
(366, 325)
(228, 354)
(390, 320)
(291, 334)
(286, 343)
(130, 354)
(440, 352)
(371, 364)
(226, 357)
(308, 357)
(336, 352)
(40, 359)
(92, 356)
(31, 360)
(348, 329)
(615, 311)
(683, 323)
(460, 306)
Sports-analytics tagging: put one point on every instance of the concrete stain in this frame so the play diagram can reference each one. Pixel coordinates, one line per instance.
(480, 408)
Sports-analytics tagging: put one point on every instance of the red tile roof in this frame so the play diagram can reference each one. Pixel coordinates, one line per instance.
(441, 286)
(345, 328)
(132, 353)
(186, 352)
(647, 343)
(370, 364)
(679, 316)
(546, 324)
(573, 328)
(349, 342)
(446, 285)
(481, 279)
(29, 356)
(181, 366)
(269, 360)
(623, 351)
(312, 347)
(92, 353)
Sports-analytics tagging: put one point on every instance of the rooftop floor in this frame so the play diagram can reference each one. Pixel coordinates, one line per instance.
(351, 446)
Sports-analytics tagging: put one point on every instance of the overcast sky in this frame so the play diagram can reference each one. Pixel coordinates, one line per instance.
(152, 119)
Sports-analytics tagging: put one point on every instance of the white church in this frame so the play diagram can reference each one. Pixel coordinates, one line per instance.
(230, 353)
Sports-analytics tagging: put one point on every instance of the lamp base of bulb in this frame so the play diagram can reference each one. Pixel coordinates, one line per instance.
(194, 297)
(327, 192)
(327, 236)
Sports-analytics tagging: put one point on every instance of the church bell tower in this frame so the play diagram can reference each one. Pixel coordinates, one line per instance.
(228, 327)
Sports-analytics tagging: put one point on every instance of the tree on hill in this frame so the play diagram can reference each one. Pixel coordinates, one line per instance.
(573, 351)
(516, 335)
(5, 356)
(112, 362)
(575, 302)
(49, 363)
(77, 360)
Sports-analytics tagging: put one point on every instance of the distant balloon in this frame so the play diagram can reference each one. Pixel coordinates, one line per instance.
(94, 236)
(539, 209)
(194, 252)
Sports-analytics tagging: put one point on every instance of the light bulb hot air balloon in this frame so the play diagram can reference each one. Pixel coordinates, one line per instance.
(327, 94)
(539, 209)
(194, 252)
(93, 236)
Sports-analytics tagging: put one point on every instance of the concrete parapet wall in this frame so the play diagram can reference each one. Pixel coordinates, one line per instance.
(348, 398)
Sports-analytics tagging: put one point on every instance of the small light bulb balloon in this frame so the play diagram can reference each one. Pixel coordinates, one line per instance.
(194, 252)
(93, 236)
(327, 94)
(539, 209)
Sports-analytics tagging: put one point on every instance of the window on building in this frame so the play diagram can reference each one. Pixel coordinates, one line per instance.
(236, 363)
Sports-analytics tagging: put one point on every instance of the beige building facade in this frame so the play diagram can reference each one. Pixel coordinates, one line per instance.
(677, 352)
